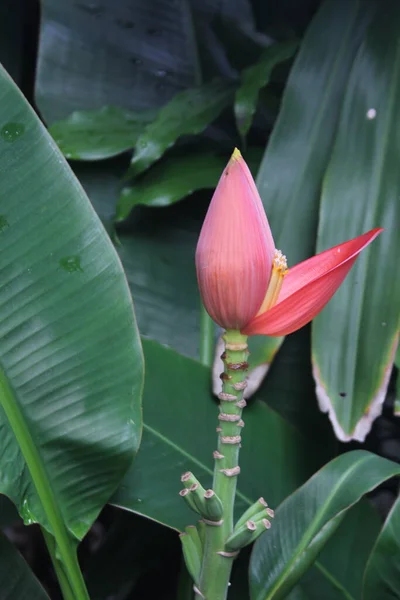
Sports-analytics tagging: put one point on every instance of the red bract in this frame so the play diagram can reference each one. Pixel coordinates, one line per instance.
(244, 282)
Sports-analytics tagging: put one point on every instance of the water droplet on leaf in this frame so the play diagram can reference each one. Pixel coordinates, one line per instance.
(71, 264)
(11, 132)
(4, 224)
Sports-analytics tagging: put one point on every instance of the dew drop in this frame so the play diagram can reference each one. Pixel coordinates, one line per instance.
(160, 73)
(71, 264)
(11, 132)
(371, 114)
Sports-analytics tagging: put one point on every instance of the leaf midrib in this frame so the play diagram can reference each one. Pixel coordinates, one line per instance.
(190, 457)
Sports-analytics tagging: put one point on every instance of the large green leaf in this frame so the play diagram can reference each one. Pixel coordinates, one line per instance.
(355, 337)
(306, 520)
(130, 53)
(179, 435)
(17, 581)
(290, 176)
(338, 572)
(71, 361)
(256, 77)
(189, 112)
(382, 575)
(98, 134)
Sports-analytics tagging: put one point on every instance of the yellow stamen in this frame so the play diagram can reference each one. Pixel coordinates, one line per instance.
(279, 270)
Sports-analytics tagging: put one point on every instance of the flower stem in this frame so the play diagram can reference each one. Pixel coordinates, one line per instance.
(206, 337)
(217, 561)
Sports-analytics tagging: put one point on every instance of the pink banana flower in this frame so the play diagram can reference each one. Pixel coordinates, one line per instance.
(244, 281)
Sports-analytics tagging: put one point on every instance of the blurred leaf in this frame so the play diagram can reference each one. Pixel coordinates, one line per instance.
(382, 575)
(227, 35)
(175, 178)
(397, 398)
(71, 359)
(290, 176)
(159, 264)
(307, 519)
(98, 134)
(131, 53)
(290, 390)
(189, 112)
(338, 572)
(8, 512)
(256, 77)
(179, 435)
(355, 338)
(16, 579)
(14, 17)
(171, 180)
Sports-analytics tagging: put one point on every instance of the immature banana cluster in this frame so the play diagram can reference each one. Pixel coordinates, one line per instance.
(206, 503)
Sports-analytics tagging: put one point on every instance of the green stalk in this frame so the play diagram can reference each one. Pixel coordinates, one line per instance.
(217, 561)
(63, 539)
(65, 587)
(206, 337)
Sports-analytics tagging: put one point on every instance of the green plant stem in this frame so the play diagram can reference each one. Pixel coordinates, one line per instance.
(206, 338)
(30, 452)
(65, 587)
(216, 567)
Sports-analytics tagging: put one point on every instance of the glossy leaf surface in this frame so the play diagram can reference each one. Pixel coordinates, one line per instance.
(308, 518)
(359, 192)
(99, 134)
(71, 361)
